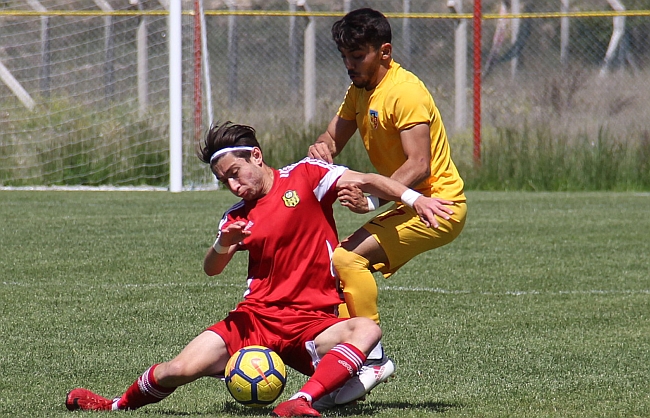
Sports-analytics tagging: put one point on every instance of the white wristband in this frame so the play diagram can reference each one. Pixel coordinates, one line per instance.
(373, 202)
(409, 197)
(220, 249)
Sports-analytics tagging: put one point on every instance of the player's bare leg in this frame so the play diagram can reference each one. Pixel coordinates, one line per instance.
(204, 356)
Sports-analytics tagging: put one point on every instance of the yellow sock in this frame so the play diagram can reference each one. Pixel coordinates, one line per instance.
(343, 310)
(358, 283)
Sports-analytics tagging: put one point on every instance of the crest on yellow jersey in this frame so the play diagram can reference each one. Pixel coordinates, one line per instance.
(374, 119)
(291, 198)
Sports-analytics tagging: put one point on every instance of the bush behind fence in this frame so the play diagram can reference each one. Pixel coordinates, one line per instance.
(548, 123)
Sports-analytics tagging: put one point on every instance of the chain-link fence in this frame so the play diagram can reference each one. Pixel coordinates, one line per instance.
(84, 91)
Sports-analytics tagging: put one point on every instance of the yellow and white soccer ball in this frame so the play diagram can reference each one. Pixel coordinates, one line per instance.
(255, 376)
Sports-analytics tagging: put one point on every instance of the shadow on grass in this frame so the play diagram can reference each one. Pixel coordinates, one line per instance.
(376, 407)
(362, 409)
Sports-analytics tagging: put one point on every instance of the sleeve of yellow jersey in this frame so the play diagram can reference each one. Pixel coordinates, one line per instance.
(347, 109)
(409, 104)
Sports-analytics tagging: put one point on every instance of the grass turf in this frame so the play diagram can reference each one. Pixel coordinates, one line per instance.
(540, 308)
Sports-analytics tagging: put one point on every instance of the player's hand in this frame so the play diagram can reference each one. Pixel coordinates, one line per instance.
(353, 198)
(430, 207)
(234, 233)
(320, 151)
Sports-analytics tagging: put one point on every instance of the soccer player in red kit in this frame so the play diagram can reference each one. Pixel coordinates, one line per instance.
(285, 221)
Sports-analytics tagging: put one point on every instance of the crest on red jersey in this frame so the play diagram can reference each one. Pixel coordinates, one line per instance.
(290, 198)
(374, 119)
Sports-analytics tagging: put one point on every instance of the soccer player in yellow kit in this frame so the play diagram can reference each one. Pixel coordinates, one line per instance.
(405, 138)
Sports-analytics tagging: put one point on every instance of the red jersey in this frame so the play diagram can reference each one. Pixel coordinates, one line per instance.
(293, 235)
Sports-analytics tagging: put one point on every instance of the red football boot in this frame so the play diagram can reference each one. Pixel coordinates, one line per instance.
(299, 407)
(87, 401)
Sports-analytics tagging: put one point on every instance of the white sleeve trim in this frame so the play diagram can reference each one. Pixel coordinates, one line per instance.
(335, 172)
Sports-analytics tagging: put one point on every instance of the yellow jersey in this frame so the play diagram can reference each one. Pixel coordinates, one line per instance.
(401, 101)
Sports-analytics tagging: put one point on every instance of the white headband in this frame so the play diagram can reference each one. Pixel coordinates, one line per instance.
(229, 149)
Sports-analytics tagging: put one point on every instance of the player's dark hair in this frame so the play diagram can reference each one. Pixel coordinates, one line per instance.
(227, 135)
(362, 27)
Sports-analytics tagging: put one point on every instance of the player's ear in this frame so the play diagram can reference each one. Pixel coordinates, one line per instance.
(256, 155)
(386, 51)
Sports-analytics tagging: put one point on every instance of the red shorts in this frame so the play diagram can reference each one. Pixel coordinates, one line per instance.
(283, 330)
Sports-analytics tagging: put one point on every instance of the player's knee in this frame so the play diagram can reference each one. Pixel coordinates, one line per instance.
(369, 329)
(178, 372)
(373, 329)
(343, 259)
(172, 369)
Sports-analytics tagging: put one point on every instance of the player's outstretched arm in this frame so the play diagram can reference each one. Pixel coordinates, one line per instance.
(224, 247)
(416, 145)
(386, 188)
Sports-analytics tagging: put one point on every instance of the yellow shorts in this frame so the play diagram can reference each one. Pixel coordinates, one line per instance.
(402, 235)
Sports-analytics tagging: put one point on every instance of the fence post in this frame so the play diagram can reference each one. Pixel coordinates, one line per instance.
(406, 34)
(197, 71)
(477, 82)
(293, 53)
(310, 68)
(206, 66)
(44, 73)
(514, 31)
(564, 34)
(617, 34)
(109, 54)
(232, 54)
(143, 67)
(460, 66)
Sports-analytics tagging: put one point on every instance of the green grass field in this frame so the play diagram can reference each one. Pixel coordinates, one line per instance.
(541, 308)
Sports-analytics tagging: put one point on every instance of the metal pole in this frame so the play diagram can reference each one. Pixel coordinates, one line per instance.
(232, 55)
(175, 97)
(143, 67)
(406, 34)
(44, 73)
(617, 35)
(310, 68)
(197, 71)
(109, 54)
(477, 82)
(293, 53)
(460, 67)
(18, 90)
(109, 68)
(514, 32)
(564, 34)
(206, 65)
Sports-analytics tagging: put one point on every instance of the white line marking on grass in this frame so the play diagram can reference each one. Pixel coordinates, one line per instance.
(113, 286)
(515, 292)
(84, 188)
(388, 288)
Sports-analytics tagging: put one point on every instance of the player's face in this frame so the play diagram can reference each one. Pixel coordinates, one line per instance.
(364, 65)
(245, 179)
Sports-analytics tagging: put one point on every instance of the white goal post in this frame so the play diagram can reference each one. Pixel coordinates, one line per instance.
(175, 98)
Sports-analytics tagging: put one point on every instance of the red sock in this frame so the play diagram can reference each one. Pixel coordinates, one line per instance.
(143, 391)
(335, 368)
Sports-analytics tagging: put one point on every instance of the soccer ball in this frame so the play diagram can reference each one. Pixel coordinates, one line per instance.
(255, 376)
